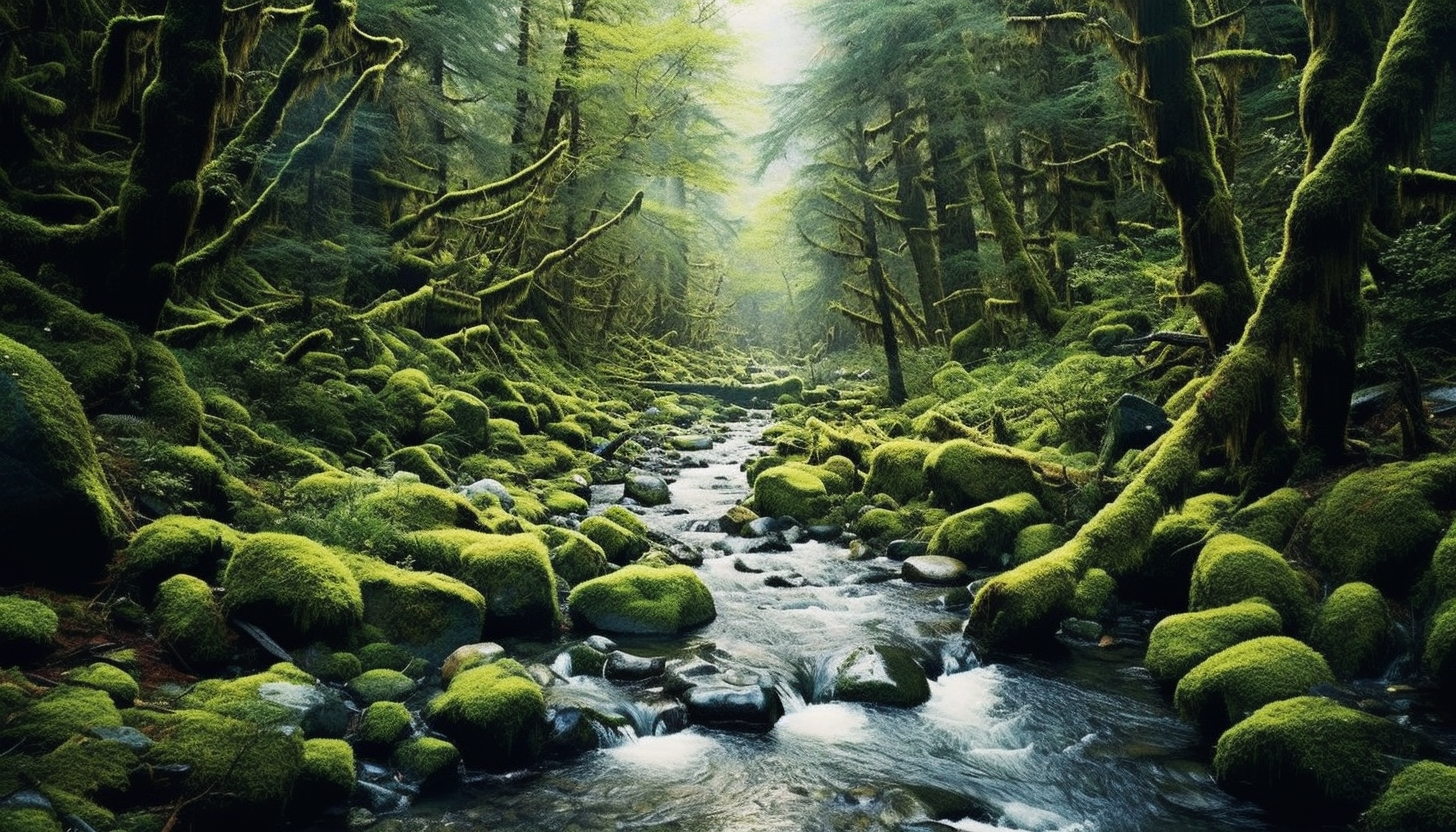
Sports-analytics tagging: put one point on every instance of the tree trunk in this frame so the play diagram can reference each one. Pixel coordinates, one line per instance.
(879, 281)
(955, 225)
(915, 218)
(519, 155)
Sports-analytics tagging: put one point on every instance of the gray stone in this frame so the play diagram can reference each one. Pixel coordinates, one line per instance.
(628, 667)
(1132, 422)
(492, 487)
(691, 442)
(934, 569)
(647, 489)
(902, 549)
(751, 707)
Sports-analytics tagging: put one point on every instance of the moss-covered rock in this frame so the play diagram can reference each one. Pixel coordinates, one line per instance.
(27, 819)
(169, 404)
(897, 468)
(62, 712)
(982, 537)
(1443, 565)
(294, 588)
(283, 697)
(1421, 798)
(417, 460)
(429, 761)
(108, 678)
(790, 490)
(425, 613)
(643, 599)
(171, 545)
(1233, 568)
(882, 674)
(382, 724)
(1180, 642)
(1270, 519)
(93, 353)
(1439, 656)
(471, 418)
(81, 773)
(574, 556)
(1311, 758)
(513, 573)
(495, 715)
(962, 473)
(1229, 685)
(407, 397)
(326, 776)
(1024, 604)
(880, 525)
(50, 478)
(619, 545)
(1166, 570)
(1382, 524)
(27, 628)
(558, 501)
(417, 506)
(1354, 631)
(1094, 595)
(380, 685)
(1036, 540)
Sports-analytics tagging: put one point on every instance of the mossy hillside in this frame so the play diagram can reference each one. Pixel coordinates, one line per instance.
(189, 621)
(1271, 519)
(1421, 798)
(791, 490)
(983, 537)
(427, 613)
(513, 573)
(51, 476)
(1354, 631)
(1230, 684)
(619, 545)
(1381, 525)
(574, 556)
(897, 468)
(642, 599)
(962, 473)
(1233, 568)
(1025, 603)
(27, 628)
(1311, 758)
(1439, 656)
(296, 589)
(1179, 642)
(172, 545)
(494, 714)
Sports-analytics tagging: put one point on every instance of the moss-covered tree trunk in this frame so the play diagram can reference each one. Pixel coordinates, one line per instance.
(914, 214)
(1170, 98)
(875, 269)
(955, 224)
(1333, 201)
(160, 198)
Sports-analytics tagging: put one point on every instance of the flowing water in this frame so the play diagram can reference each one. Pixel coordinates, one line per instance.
(1082, 743)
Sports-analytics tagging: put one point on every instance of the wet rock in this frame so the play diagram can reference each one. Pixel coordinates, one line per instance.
(468, 656)
(882, 674)
(740, 565)
(691, 442)
(766, 526)
(627, 667)
(1132, 422)
(772, 543)
(1081, 629)
(936, 570)
(734, 519)
(957, 599)
(903, 549)
(824, 533)
(1442, 399)
(318, 710)
(786, 580)
(754, 706)
(647, 489)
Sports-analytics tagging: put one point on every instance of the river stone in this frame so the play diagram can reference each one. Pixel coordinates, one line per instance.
(824, 533)
(468, 656)
(691, 442)
(934, 569)
(883, 674)
(752, 707)
(647, 489)
(785, 580)
(735, 518)
(493, 488)
(905, 549)
(318, 710)
(765, 526)
(627, 667)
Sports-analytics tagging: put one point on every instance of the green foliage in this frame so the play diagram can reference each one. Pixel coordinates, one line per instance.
(1354, 631)
(1227, 686)
(1232, 568)
(494, 714)
(642, 599)
(1180, 642)
(1421, 798)
(294, 588)
(1414, 309)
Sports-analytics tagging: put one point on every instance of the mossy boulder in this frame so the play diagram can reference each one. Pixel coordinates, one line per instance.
(1233, 568)
(1381, 525)
(80, 774)
(93, 353)
(1180, 642)
(574, 556)
(1439, 656)
(1166, 570)
(558, 501)
(1271, 519)
(425, 613)
(382, 724)
(1311, 758)
(982, 537)
(513, 573)
(1421, 798)
(495, 715)
(282, 697)
(1025, 604)
(1036, 540)
(882, 674)
(1233, 683)
(471, 418)
(1095, 594)
(28, 819)
(1354, 631)
(27, 628)
(380, 685)
(897, 468)
(1443, 565)
(407, 397)
(50, 477)
(643, 599)
(108, 678)
(619, 545)
(59, 714)
(172, 545)
(417, 460)
(418, 506)
(791, 490)
(429, 761)
(326, 777)
(962, 473)
(880, 525)
(295, 589)
(170, 406)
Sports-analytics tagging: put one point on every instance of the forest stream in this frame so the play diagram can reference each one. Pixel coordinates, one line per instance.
(1085, 742)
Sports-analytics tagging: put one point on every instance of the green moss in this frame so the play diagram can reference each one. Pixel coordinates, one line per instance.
(235, 770)
(1024, 604)
(1353, 631)
(59, 714)
(1166, 569)
(952, 381)
(329, 666)
(417, 506)
(1439, 656)
(643, 599)
(494, 714)
(27, 628)
(570, 433)
(1270, 519)
(93, 353)
(1232, 568)
(189, 621)
(380, 685)
(171, 545)
(620, 546)
(514, 574)
(54, 480)
(1231, 684)
(82, 770)
(326, 777)
(384, 655)
(108, 678)
(171, 406)
(1180, 642)
(254, 698)
(433, 549)
(962, 474)
(1443, 565)
(881, 674)
(1310, 758)
(898, 469)
(383, 724)
(982, 537)
(406, 397)
(1094, 594)
(880, 524)
(1036, 540)
(426, 759)
(521, 414)
(1381, 525)
(292, 587)
(565, 502)
(28, 820)
(426, 613)
(1421, 798)
(417, 460)
(574, 556)
(790, 490)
